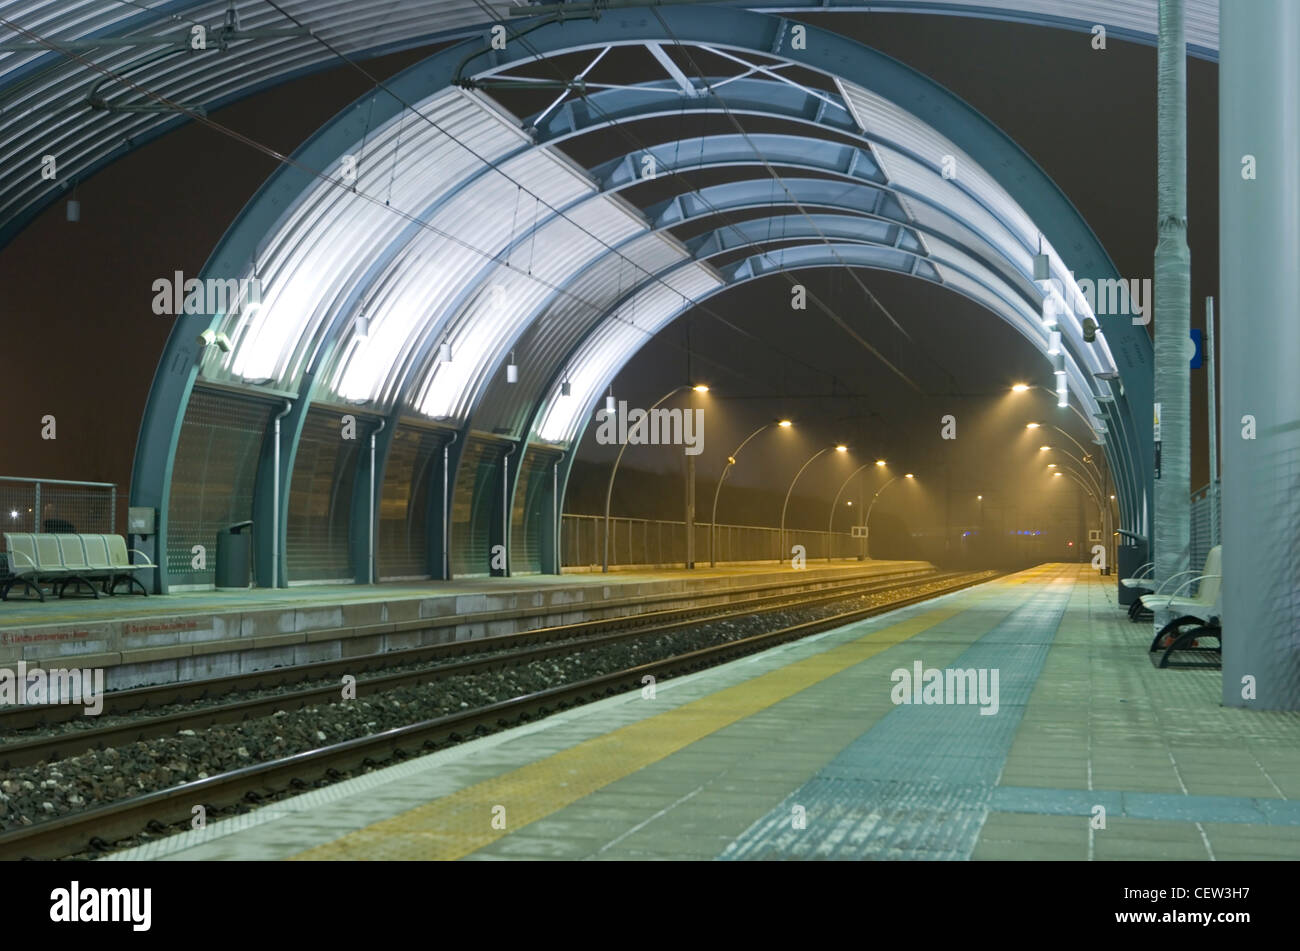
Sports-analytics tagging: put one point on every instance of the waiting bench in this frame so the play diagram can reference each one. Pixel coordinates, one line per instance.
(1195, 616)
(63, 559)
(1140, 584)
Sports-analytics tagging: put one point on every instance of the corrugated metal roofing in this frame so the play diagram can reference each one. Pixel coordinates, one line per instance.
(43, 94)
(509, 259)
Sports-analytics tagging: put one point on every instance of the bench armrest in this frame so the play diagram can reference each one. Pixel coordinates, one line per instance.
(1171, 578)
(1149, 567)
(23, 554)
(148, 562)
(1190, 582)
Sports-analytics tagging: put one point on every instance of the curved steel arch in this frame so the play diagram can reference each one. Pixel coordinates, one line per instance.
(727, 150)
(830, 54)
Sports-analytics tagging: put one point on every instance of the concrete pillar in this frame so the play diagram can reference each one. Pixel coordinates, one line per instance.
(1259, 327)
(1173, 293)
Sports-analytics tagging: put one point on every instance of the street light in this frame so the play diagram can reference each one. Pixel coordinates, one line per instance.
(609, 489)
(1092, 483)
(1097, 429)
(867, 521)
(830, 525)
(780, 555)
(731, 461)
(1093, 477)
(1087, 456)
(1023, 387)
(1101, 509)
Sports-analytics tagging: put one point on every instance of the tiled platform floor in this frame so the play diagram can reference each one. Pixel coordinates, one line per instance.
(800, 752)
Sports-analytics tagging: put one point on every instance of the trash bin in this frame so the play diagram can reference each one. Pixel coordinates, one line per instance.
(234, 557)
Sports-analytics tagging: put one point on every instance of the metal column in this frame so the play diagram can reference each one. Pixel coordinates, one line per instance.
(1212, 421)
(1259, 244)
(1172, 529)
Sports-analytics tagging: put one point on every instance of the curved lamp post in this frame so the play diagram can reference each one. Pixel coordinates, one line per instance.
(780, 555)
(731, 461)
(867, 521)
(1089, 455)
(1094, 478)
(1102, 510)
(1022, 387)
(830, 524)
(609, 489)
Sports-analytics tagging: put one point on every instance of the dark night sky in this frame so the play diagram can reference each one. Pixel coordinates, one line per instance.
(82, 343)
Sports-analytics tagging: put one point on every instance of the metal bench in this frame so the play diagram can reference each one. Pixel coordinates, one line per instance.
(24, 566)
(63, 559)
(120, 566)
(72, 555)
(1196, 617)
(1141, 583)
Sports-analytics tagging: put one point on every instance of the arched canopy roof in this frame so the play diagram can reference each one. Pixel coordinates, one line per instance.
(464, 236)
(76, 76)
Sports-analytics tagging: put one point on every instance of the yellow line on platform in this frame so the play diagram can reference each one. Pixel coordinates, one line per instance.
(456, 825)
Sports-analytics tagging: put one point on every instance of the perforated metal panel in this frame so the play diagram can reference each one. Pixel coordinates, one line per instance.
(320, 499)
(473, 509)
(413, 460)
(1203, 532)
(212, 478)
(532, 508)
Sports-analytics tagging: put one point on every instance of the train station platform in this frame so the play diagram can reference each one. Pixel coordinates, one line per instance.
(196, 634)
(1080, 749)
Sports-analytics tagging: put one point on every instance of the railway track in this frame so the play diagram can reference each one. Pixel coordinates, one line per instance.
(13, 719)
(95, 829)
(23, 717)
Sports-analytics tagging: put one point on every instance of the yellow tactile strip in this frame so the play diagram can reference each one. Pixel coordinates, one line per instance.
(463, 822)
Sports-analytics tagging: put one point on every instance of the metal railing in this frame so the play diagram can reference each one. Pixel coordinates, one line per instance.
(652, 542)
(1204, 536)
(57, 505)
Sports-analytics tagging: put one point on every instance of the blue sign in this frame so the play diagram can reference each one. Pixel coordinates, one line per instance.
(1198, 338)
